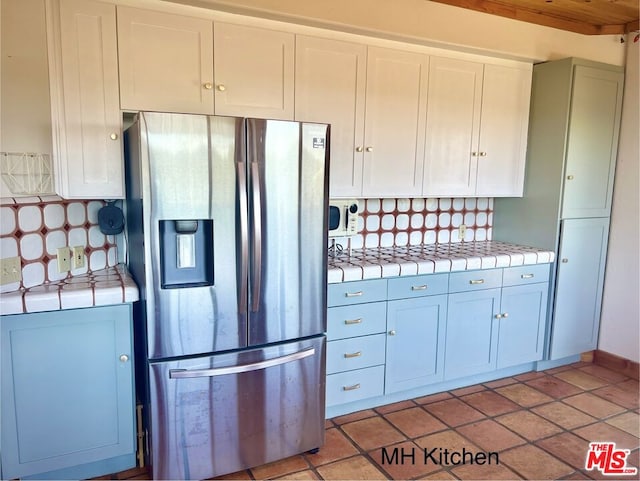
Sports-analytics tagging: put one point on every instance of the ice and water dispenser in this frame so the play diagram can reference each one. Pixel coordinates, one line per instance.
(186, 253)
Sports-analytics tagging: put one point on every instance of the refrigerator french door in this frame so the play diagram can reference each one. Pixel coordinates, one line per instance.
(227, 241)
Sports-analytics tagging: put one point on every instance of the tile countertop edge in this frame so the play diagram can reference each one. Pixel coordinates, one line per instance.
(415, 260)
(113, 285)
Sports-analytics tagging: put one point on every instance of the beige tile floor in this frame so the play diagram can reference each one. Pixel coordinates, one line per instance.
(539, 423)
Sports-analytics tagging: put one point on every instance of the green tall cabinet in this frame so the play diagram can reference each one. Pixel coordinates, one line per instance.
(571, 157)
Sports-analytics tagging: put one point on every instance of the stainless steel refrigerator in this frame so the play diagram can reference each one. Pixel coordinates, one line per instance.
(226, 226)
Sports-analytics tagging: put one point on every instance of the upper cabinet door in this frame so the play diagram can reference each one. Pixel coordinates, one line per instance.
(254, 71)
(83, 63)
(166, 62)
(394, 123)
(453, 126)
(592, 142)
(330, 88)
(503, 131)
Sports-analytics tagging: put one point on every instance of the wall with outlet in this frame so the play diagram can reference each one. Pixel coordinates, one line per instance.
(44, 239)
(402, 222)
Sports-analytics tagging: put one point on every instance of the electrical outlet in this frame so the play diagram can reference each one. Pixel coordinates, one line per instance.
(78, 257)
(64, 259)
(462, 230)
(10, 270)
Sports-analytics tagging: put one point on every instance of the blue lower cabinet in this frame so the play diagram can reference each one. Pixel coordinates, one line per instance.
(522, 324)
(345, 387)
(67, 393)
(415, 342)
(472, 333)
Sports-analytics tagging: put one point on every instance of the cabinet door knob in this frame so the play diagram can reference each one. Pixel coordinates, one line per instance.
(113, 136)
(569, 177)
(359, 148)
(392, 332)
(221, 88)
(565, 260)
(369, 149)
(124, 358)
(498, 316)
(474, 154)
(483, 154)
(208, 85)
(505, 314)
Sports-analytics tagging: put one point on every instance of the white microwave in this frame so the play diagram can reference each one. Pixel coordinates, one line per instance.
(343, 217)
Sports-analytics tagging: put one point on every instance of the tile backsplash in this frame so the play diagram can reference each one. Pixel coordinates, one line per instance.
(402, 222)
(33, 228)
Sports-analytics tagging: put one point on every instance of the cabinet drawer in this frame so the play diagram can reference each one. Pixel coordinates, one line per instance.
(358, 320)
(355, 353)
(515, 276)
(357, 292)
(418, 286)
(351, 386)
(475, 280)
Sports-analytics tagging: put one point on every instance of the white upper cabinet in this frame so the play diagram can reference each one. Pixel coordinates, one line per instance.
(330, 88)
(166, 62)
(254, 72)
(477, 121)
(503, 131)
(394, 123)
(453, 127)
(83, 71)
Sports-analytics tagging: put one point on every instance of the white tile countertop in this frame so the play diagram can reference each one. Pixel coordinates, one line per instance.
(113, 285)
(380, 262)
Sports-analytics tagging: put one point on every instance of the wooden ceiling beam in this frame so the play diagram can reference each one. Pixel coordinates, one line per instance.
(536, 17)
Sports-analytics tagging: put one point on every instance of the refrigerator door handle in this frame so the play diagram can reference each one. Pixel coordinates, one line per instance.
(257, 237)
(254, 366)
(244, 236)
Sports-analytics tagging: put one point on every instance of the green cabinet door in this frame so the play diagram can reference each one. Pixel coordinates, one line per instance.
(580, 277)
(67, 393)
(592, 142)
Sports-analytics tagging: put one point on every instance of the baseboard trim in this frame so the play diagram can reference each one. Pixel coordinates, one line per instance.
(617, 363)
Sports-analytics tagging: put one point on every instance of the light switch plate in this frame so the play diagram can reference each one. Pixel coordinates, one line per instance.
(64, 259)
(10, 270)
(78, 257)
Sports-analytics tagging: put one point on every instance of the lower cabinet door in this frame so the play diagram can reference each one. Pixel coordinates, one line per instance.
(522, 325)
(580, 279)
(415, 342)
(472, 333)
(67, 391)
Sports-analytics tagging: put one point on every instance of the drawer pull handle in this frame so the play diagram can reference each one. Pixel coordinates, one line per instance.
(476, 281)
(527, 276)
(353, 321)
(419, 288)
(349, 355)
(353, 294)
(351, 388)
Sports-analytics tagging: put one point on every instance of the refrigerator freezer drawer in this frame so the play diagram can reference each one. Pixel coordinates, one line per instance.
(226, 412)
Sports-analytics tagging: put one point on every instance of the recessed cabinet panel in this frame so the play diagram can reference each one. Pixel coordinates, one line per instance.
(471, 339)
(415, 342)
(394, 123)
(68, 403)
(330, 88)
(581, 265)
(503, 131)
(166, 62)
(522, 324)
(592, 142)
(253, 72)
(85, 104)
(453, 127)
